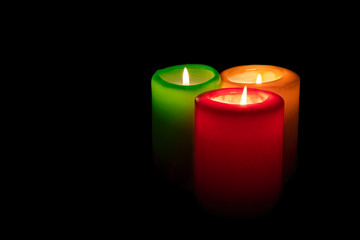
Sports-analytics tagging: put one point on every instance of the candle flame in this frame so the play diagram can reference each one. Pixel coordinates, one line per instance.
(186, 80)
(259, 79)
(243, 97)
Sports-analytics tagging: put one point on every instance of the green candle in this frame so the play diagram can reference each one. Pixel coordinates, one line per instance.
(174, 90)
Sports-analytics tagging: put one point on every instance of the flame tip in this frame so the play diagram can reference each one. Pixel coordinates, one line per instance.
(243, 100)
(186, 80)
(258, 79)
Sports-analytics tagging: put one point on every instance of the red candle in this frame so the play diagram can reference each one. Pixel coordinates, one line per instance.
(238, 151)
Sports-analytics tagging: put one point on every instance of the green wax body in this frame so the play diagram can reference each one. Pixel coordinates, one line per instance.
(173, 117)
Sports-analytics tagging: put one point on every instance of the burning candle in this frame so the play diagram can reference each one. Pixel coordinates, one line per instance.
(174, 90)
(238, 151)
(282, 82)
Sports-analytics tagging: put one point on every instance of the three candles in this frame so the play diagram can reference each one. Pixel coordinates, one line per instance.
(240, 133)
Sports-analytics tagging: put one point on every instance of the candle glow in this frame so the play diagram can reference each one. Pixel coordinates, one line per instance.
(185, 77)
(259, 79)
(243, 97)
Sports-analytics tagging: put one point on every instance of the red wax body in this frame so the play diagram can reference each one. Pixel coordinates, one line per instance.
(238, 152)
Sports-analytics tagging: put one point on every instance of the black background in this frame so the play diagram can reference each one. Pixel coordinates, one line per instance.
(111, 182)
(85, 136)
(124, 185)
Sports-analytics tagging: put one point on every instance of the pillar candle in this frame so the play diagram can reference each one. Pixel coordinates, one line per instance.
(238, 151)
(283, 82)
(174, 90)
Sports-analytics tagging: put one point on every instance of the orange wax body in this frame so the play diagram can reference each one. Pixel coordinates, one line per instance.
(282, 82)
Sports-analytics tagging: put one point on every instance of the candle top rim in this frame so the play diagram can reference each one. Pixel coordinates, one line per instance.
(235, 98)
(158, 73)
(207, 99)
(282, 75)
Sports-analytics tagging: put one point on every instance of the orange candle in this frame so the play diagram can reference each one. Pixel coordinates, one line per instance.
(283, 82)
